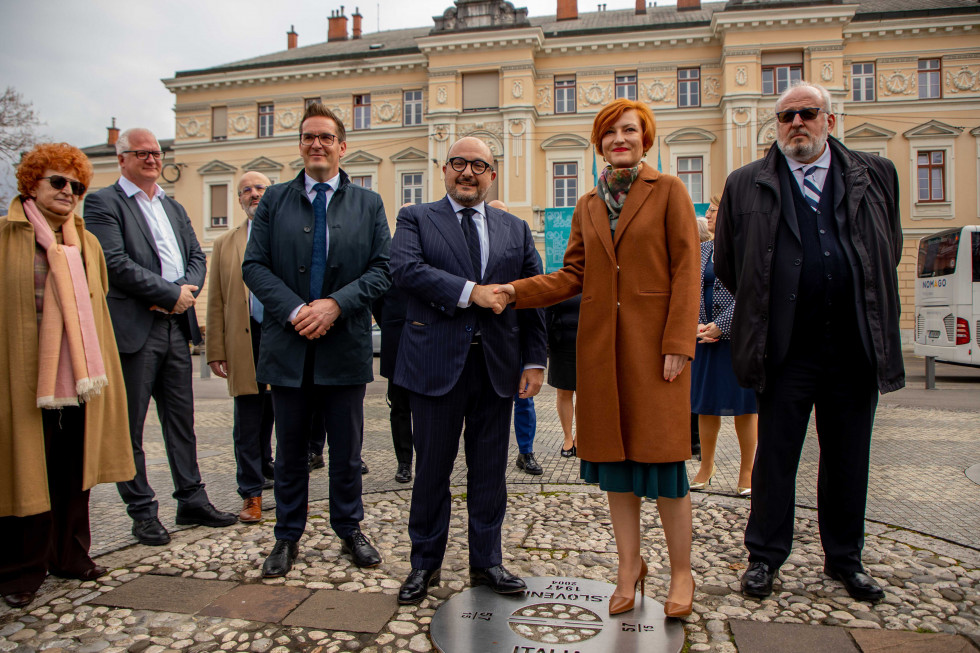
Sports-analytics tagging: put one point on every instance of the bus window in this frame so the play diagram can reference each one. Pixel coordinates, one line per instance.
(976, 256)
(937, 255)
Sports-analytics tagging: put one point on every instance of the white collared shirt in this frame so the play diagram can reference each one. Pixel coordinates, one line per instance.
(309, 182)
(819, 175)
(480, 222)
(168, 250)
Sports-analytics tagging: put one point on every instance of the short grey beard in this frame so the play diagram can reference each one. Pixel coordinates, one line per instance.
(803, 151)
(459, 199)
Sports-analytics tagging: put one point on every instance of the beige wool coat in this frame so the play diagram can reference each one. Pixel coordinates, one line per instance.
(228, 334)
(108, 454)
(640, 300)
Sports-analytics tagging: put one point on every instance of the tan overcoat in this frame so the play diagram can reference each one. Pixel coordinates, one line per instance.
(108, 449)
(228, 332)
(640, 302)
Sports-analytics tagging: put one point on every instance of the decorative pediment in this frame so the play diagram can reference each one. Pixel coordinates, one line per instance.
(411, 154)
(298, 164)
(975, 131)
(360, 157)
(690, 135)
(867, 130)
(565, 141)
(262, 164)
(933, 128)
(216, 167)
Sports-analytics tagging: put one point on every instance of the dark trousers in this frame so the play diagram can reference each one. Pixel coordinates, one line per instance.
(254, 418)
(842, 390)
(341, 409)
(162, 369)
(437, 423)
(525, 423)
(57, 540)
(401, 422)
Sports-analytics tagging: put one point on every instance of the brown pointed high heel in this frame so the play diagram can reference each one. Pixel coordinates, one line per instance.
(678, 610)
(618, 604)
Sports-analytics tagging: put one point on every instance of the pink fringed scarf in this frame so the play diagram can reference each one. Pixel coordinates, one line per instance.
(70, 367)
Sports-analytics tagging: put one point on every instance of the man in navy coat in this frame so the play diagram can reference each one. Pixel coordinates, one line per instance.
(317, 259)
(461, 356)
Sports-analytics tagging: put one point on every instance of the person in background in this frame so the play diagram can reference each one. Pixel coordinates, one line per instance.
(562, 322)
(63, 421)
(234, 328)
(389, 313)
(714, 389)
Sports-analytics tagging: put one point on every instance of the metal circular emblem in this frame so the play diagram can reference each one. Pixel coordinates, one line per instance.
(554, 615)
(170, 172)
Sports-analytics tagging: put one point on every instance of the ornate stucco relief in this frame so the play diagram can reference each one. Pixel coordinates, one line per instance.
(962, 81)
(658, 90)
(897, 83)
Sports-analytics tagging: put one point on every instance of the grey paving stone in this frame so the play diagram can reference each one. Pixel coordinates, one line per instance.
(165, 594)
(899, 641)
(975, 639)
(347, 611)
(257, 602)
(757, 637)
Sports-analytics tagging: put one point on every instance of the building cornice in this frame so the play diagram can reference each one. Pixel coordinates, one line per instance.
(632, 39)
(522, 37)
(922, 26)
(750, 20)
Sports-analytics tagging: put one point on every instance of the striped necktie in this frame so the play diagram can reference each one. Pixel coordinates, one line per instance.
(472, 237)
(810, 190)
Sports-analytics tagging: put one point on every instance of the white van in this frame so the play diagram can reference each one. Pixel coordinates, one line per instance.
(947, 296)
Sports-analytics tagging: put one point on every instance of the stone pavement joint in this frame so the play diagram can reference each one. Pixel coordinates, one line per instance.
(165, 594)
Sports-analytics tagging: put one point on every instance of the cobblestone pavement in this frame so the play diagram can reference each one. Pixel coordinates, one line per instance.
(922, 543)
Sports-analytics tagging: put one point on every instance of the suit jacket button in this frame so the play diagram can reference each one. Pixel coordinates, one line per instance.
(302, 268)
(307, 229)
(792, 297)
(469, 328)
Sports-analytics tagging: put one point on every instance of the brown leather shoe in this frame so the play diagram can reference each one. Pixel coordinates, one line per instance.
(251, 511)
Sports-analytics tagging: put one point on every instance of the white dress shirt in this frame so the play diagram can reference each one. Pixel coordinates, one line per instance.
(480, 222)
(310, 182)
(819, 175)
(171, 260)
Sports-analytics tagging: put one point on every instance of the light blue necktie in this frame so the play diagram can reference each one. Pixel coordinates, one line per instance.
(318, 266)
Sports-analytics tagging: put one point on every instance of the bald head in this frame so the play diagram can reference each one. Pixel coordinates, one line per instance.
(465, 186)
(497, 204)
(251, 187)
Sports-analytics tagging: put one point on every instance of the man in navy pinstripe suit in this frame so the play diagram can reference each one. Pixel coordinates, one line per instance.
(463, 356)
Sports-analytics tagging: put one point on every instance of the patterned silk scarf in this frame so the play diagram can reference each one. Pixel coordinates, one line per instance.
(613, 187)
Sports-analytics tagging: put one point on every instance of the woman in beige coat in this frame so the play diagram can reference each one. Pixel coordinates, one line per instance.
(63, 421)
(633, 254)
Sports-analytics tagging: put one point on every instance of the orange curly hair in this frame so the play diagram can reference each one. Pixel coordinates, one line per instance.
(610, 113)
(51, 156)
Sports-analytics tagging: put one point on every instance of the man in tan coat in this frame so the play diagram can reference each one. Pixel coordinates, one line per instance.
(233, 334)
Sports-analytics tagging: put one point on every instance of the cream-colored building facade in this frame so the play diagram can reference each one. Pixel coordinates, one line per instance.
(904, 76)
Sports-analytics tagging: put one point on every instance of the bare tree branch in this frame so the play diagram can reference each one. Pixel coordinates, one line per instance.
(18, 124)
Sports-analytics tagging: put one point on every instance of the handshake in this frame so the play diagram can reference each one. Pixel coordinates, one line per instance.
(495, 298)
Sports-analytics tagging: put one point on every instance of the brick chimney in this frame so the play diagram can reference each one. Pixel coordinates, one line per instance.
(641, 7)
(567, 9)
(337, 26)
(291, 38)
(688, 5)
(357, 23)
(113, 133)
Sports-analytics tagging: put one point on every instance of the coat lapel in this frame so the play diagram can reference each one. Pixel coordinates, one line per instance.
(136, 215)
(497, 234)
(171, 212)
(444, 218)
(239, 242)
(638, 193)
(599, 216)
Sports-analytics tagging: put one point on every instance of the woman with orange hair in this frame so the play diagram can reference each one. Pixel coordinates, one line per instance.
(633, 254)
(63, 420)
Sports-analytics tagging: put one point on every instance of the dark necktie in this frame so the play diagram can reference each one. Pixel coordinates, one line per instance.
(472, 237)
(810, 190)
(318, 266)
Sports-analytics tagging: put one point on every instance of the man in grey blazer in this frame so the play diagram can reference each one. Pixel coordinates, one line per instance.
(156, 269)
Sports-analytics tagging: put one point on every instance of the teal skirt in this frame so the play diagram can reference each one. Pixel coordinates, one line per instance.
(651, 480)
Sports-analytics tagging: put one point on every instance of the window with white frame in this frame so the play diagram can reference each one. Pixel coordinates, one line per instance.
(266, 120)
(364, 181)
(412, 108)
(362, 111)
(219, 206)
(565, 176)
(930, 79)
(690, 170)
(565, 94)
(863, 82)
(412, 187)
(688, 87)
(931, 173)
(626, 85)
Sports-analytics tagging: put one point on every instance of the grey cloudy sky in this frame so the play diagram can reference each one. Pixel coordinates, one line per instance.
(80, 63)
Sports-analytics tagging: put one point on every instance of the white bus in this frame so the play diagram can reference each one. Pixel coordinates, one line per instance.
(947, 296)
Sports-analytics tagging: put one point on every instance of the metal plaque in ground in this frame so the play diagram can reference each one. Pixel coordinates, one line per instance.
(555, 615)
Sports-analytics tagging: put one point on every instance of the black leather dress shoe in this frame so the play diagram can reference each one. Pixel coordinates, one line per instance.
(498, 579)
(150, 532)
(416, 586)
(268, 484)
(757, 580)
(18, 599)
(315, 461)
(858, 584)
(364, 468)
(404, 473)
(360, 550)
(280, 561)
(268, 470)
(206, 515)
(527, 462)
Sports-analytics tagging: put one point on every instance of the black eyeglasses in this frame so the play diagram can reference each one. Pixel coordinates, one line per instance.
(326, 139)
(248, 189)
(478, 166)
(58, 182)
(808, 113)
(143, 155)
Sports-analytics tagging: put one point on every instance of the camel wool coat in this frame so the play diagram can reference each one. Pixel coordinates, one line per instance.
(108, 449)
(228, 334)
(640, 301)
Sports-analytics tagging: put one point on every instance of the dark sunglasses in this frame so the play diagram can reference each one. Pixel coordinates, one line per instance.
(808, 113)
(58, 183)
(478, 166)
